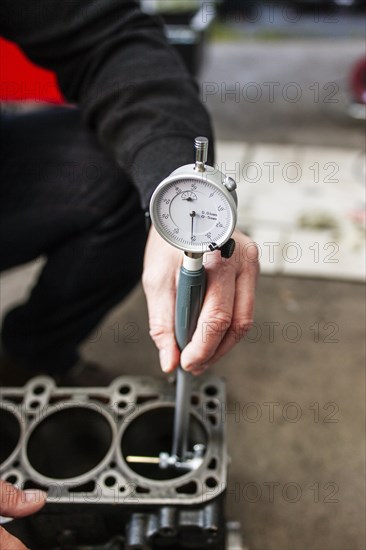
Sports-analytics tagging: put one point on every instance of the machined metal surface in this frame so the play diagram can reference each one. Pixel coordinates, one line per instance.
(201, 147)
(74, 441)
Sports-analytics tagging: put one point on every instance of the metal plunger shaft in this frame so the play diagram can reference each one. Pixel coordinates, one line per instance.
(201, 147)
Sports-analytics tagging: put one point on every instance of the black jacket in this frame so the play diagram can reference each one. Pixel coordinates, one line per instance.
(114, 62)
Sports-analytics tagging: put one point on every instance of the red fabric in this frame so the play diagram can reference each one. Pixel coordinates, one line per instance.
(358, 81)
(22, 80)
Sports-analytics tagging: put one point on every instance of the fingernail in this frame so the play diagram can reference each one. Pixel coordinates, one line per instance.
(164, 360)
(34, 495)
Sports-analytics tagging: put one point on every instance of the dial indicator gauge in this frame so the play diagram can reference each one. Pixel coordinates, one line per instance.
(194, 215)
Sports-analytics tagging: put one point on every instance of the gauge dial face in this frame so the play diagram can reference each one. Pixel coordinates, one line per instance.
(193, 215)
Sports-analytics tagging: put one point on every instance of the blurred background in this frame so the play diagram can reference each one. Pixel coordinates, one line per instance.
(285, 83)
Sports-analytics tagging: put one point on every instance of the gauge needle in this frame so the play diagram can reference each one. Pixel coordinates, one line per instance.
(192, 214)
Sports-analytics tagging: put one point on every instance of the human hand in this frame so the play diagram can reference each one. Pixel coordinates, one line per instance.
(15, 503)
(227, 312)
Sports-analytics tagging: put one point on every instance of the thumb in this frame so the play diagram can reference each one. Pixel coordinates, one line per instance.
(16, 503)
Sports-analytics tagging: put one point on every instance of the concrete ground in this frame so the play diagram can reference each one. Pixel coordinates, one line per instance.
(283, 91)
(296, 391)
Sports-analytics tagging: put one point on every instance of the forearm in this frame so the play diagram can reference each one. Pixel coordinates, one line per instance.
(145, 106)
(134, 93)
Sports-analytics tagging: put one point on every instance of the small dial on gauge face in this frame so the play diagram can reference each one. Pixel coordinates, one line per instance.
(193, 215)
(188, 196)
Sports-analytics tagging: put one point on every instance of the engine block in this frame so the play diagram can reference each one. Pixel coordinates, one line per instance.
(73, 443)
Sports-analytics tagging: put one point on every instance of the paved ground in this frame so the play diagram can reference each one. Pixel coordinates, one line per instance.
(282, 91)
(304, 206)
(296, 439)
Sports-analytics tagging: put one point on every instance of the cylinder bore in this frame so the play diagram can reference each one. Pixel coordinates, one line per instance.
(151, 433)
(69, 442)
(9, 434)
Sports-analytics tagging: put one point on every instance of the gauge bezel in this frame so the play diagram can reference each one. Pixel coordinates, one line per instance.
(215, 179)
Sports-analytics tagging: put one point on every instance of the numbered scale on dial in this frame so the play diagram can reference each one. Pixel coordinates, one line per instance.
(194, 209)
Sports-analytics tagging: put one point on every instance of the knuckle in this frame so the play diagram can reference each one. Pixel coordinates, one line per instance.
(158, 330)
(252, 252)
(10, 496)
(147, 280)
(219, 318)
(13, 501)
(241, 326)
(158, 282)
(228, 266)
(213, 330)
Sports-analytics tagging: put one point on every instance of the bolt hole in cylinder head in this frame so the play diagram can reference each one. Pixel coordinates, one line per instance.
(211, 391)
(69, 442)
(39, 389)
(151, 433)
(12, 479)
(10, 431)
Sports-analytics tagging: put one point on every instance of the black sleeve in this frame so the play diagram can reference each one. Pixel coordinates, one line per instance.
(115, 63)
